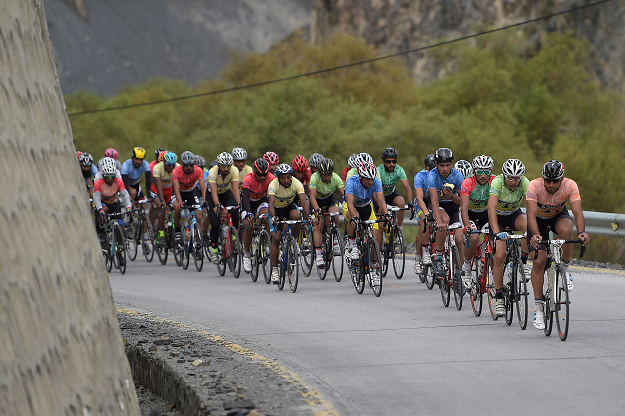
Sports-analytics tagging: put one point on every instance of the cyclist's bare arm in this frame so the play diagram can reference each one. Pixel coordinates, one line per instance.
(420, 202)
(464, 208)
(580, 223)
(234, 186)
(492, 213)
(435, 207)
(408, 189)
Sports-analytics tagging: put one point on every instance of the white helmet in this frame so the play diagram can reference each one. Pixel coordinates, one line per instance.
(366, 158)
(368, 170)
(483, 162)
(224, 159)
(352, 161)
(109, 167)
(513, 167)
(464, 167)
(239, 154)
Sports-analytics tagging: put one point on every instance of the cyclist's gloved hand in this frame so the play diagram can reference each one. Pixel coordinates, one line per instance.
(502, 235)
(430, 217)
(354, 221)
(244, 214)
(411, 205)
(205, 204)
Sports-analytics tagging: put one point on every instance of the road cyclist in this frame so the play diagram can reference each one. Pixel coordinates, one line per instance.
(161, 191)
(423, 257)
(240, 157)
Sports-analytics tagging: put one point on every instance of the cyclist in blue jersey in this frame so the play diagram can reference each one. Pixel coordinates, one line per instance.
(88, 169)
(360, 191)
(444, 185)
(132, 169)
(422, 201)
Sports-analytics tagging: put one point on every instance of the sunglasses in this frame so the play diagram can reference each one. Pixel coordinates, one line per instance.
(261, 175)
(390, 162)
(513, 178)
(109, 178)
(482, 172)
(170, 165)
(188, 165)
(551, 180)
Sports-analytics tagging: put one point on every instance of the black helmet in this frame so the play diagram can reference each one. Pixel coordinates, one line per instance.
(430, 163)
(443, 155)
(158, 152)
(389, 152)
(212, 164)
(200, 161)
(326, 166)
(553, 170)
(261, 167)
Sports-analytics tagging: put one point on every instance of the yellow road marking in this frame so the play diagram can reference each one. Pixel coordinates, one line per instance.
(595, 269)
(319, 405)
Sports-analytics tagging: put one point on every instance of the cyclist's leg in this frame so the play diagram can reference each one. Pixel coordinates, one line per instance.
(441, 234)
(564, 228)
(500, 255)
(398, 201)
(375, 229)
(228, 200)
(454, 218)
(295, 215)
(520, 224)
(214, 218)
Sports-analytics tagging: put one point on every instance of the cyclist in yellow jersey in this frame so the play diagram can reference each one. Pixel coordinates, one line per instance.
(240, 156)
(281, 194)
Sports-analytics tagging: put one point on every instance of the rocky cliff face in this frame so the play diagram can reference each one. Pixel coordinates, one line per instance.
(394, 25)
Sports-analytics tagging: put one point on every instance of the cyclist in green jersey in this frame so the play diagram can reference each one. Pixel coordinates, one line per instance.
(504, 210)
(391, 173)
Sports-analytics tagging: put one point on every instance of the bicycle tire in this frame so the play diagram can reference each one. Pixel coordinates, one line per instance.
(428, 274)
(359, 282)
(114, 244)
(235, 252)
(198, 252)
(443, 283)
(520, 294)
(375, 267)
(106, 251)
(293, 266)
(120, 256)
(322, 273)
(561, 299)
(221, 256)
(265, 255)
(476, 289)
(162, 251)
(254, 257)
(399, 258)
(187, 238)
(281, 273)
(490, 287)
(456, 270)
(548, 310)
(147, 243)
(306, 246)
(337, 258)
(123, 261)
(176, 248)
(421, 275)
(386, 257)
(508, 295)
(131, 243)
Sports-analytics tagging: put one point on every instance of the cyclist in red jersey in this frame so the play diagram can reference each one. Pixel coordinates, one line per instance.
(301, 171)
(184, 178)
(255, 203)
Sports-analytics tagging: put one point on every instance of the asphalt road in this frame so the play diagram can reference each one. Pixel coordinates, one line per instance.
(403, 353)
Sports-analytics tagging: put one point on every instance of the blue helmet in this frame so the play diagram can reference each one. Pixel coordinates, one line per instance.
(171, 158)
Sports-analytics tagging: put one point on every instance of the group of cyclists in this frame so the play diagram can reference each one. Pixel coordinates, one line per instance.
(463, 194)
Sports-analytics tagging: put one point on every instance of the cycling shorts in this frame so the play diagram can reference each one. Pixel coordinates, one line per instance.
(167, 192)
(542, 228)
(479, 218)
(283, 213)
(256, 206)
(452, 210)
(191, 197)
(137, 188)
(364, 213)
(326, 203)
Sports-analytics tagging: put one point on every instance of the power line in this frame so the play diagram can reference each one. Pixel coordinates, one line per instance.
(336, 68)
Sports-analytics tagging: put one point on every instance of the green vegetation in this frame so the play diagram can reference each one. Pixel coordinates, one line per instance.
(504, 97)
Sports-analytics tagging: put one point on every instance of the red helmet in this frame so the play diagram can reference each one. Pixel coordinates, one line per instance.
(300, 164)
(271, 158)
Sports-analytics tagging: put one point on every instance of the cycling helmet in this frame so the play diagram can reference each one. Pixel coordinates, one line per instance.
(483, 162)
(161, 156)
(138, 153)
(271, 158)
(430, 163)
(225, 159)
(261, 166)
(187, 158)
(299, 164)
(200, 161)
(239, 154)
(553, 170)
(85, 159)
(78, 153)
(283, 169)
(365, 158)
(315, 159)
(464, 167)
(158, 152)
(109, 167)
(352, 161)
(212, 165)
(170, 158)
(388, 153)
(443, 155)
(326, 166)
(513, 167)
(368, 170)
(110, 152)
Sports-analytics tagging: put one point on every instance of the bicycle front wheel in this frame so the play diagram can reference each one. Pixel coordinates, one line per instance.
(476, 288)
(561, 302)
(131, 243)
(147, 240)
(455, 269)
(198, 251)
(337, 259)
(264, 255)
(235, 253)
(221, 254)
(186, 246)
(399, 252)
(324, 255)
(427, 270)
(445, 280)
(490, 286)
(254, 258)
(162, 249)
(293, 264)
(375, 272)
(520, 295)
(306, 247)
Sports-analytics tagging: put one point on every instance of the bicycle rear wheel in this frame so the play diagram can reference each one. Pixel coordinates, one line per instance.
(399, 252)
(293, 266)
(198, 250)
(235, 253)
(455, 270)
(561, 302)
(476, 288)
(264, 255)
(337, 259)
(307, 249)
(520, 295)
(490, 286)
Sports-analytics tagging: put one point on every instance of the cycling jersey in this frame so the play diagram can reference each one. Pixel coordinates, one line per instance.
(344, 174)
(354, 171)
(107, 194)
(509, 201)
(478, 194)
(436, 181)
(134, 174)
(362, 196)
(186, 182)
(166, 177)
(152, 164)
(243, 173)
(323, 189)
(285, 196)
(223, 184)
(421, 181)
(389, 179)
(258, 190)
(90, 173)
(551, 205)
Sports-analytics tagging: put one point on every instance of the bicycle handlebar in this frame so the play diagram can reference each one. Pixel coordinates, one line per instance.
(560, 243)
